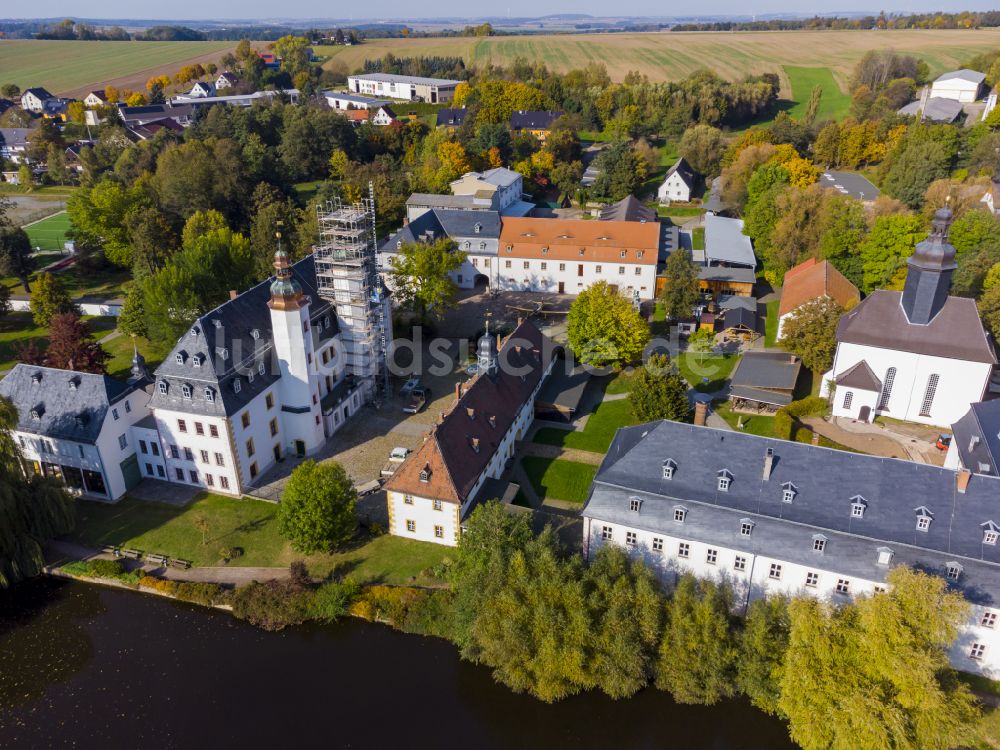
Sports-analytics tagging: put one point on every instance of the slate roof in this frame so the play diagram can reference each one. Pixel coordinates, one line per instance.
(977, 438)
(769, 377)
(446, 222)
(454, 465)
(683, 170)
(453, 116)
(726, 243)
(14, 137)
(156, 112)
(223, 345)
(971, 76)
(813, 279)
(524, 119)
(860, 376)
(71, 405)
(825, 481)
(936, 108)
(38, 91)
(628, 208)
(850, 183)
(956, 332)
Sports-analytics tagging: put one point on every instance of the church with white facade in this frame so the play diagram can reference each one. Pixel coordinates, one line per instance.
(918, 355)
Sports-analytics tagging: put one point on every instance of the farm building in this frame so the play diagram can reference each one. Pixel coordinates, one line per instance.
(404, 88)
(959, 85)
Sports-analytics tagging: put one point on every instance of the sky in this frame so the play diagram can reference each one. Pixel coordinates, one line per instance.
(402, 9)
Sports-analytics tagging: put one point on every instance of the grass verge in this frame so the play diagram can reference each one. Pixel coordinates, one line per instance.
(599, 431)
(696, 367)
(559, 479)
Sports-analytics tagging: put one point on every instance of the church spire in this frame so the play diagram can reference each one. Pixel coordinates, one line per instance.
(928, 276)
(487, 352)
(286, 294)
(139, 369)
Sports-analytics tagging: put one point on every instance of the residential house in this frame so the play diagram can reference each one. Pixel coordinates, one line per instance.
(628, 208)
(810, 280)
(476, 233)
(357, 116)
(226, 80)
(76, 427)
(404, 88)
(678, 183)
(14, 144)
(451, 118)
(441, 482)
(269, 59)
(778, 517)
(33, 99)
(201, 89)
(763, 382)
(95, 99)
(975, 442)
(918, 355)
(344, 100)
(539, 124)
(992, 197)
(383, 116)
(959, 85)
(569, 255)
(5, 104)
(504, 187)
(851, 184)
(728, 262)
(150, 129)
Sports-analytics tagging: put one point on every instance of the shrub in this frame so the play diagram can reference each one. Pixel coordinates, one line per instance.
(298, 572)
(271, 605)
(195, 592)
(333, 600)
(783, 425)
(812, 406)
(113, 570)
(432, 614)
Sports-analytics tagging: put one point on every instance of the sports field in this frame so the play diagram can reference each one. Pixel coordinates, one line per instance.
(49, 233)
(674, 55)
(73, 68)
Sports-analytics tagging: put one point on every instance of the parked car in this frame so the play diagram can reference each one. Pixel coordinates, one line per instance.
(943, 442)
(398, 454)
(418, 399)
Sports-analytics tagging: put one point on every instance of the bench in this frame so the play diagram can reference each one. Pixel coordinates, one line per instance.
(176, 562)
(133, 554)
(110, 549)
(158, 559)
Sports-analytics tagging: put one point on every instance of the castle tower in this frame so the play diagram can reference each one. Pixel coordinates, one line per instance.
(293, 347)
(928, 276)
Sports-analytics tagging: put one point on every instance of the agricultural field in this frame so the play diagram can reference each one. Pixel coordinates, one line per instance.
(74, 68)
(49, 234)
(834, 104)
(674, 55)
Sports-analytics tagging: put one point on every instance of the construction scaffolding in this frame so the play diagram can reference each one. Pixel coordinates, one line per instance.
(347, 275)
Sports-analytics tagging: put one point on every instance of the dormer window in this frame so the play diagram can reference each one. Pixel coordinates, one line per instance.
(884, 556)
(197, 359)
(179, 358)
(237, 385)
(624, 253)
(209, 395)
(73, 384)
(819, 543)
(36, 378)
(162, 386)
(255, 334)
(250, 377)
(260, 368)
(634, 504)
(326, 321)
(639, 253)
(788, 492)
(509, 248)
(746, 527)
(924, 518)
(217, 323)
(195, 330)
(482, 245)
(858, 505)
(477, 228)
(36, 414)
(223, 352)
(186, 390)
(669, 467)
(399, 244)
(991, 533)
(723, 480)
(425, 473)
(953, 570)
(583, 250)
(493, 421)
(680, 513)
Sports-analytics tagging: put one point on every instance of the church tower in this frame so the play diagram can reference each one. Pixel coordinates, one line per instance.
(293, 348)
(487, 353)
(928, 277)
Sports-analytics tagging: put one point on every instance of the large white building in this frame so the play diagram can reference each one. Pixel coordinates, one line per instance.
(405, 88)
(439, 484)
(778, 517)
(918, 355)
(960, 85)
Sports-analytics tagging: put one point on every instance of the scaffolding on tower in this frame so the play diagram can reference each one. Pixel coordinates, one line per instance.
(347, 275)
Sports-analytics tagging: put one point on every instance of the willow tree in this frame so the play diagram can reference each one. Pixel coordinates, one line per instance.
(32, 509)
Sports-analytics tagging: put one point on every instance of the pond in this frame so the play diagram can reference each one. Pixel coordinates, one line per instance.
(94, 667)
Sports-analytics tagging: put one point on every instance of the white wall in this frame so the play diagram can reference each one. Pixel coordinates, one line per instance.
(959, 385)
(545, 275)
(962, 91)
(674, 189)
(170, 434)
(421, 511)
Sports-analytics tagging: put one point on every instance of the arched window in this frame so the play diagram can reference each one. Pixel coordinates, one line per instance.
(890, 375)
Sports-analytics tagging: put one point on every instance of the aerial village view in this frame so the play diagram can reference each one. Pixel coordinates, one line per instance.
(524, 378)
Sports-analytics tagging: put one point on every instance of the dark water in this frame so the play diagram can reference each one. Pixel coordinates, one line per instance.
(88, 667)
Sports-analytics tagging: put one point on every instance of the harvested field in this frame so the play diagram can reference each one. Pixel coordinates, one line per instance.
(673, 55)
(74, 68)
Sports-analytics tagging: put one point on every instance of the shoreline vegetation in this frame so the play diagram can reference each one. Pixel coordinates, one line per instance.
(548, 624)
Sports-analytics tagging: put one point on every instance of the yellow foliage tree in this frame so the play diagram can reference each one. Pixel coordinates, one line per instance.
(111, 94)
(461, 94)
(801, 172)
(162, 80)
(135, 99)
(339, 163)
(493, 158)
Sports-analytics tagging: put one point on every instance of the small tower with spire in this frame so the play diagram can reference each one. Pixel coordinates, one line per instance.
(487, 352)
(928, 276)
(139, 370)
(298, 388)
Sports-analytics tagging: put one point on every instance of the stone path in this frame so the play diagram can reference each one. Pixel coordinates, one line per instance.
(110, 337)
(913, 443)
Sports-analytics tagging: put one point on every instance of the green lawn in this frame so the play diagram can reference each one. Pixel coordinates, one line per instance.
(834, 105)
(107, 282)
(619, 383)
(17, 329)
(50, 233)
(764, 426)
(599, 432)
(716, 367)
(771, 323)
(679, 211)
(120, 349)
(250, 525)
(559, 479)
(698, 238)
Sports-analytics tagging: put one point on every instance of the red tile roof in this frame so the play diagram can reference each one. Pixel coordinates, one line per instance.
(813, 279)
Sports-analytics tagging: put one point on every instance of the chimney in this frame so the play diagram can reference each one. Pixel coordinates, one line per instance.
(962, 477)
(471, 412)
(768, 463)
(233, 294)
(973, 442)
(700, 413)
(493, 421)
(520, 321)
(458, 391)
(475, 444)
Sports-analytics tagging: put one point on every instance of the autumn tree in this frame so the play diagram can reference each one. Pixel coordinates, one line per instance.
(420, 276)
(604, 328)
(681, 290)
(810, 331)
(659, 392)
(71, 346)
(49, 299)
(703, 146)
(886, 248)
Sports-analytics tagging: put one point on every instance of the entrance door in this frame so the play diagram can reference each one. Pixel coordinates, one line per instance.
(579, 269)
(277, 453)
(300, 448)
(865, 414)
(562, 287)
(130, 471)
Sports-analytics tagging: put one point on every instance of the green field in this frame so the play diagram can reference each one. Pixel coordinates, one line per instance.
(50, 233)
(834, 104)
(559, 479)
(73, 67)
(597, 434)
(672, 55)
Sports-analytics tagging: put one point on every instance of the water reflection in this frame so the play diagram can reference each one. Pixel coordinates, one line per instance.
(88, 667)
